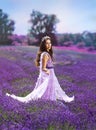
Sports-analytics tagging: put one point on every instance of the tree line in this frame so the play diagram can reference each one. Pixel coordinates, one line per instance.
(80, 39)
(41, 25)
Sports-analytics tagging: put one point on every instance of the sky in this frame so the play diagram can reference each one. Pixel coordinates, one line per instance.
(75, 16)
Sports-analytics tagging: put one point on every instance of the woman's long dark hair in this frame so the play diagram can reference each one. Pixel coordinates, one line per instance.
(43, 49)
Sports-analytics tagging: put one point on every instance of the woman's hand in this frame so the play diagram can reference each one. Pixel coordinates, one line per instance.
(46, 71)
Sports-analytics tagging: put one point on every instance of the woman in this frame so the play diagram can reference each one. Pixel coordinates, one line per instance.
(47, 86)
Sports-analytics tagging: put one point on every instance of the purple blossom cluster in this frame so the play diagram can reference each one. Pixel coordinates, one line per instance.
(18, 40)
(76, 73)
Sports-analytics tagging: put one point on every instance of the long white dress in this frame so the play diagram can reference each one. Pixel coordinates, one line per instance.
(47, 86)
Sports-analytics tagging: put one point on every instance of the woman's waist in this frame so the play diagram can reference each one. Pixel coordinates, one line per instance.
(49, 67)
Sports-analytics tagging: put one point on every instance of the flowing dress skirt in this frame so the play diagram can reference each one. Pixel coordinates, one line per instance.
(47, 87)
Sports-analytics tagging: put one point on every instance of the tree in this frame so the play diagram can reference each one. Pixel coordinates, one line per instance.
(88, 38)
(6, 27)
(94, 39)
(43, 24)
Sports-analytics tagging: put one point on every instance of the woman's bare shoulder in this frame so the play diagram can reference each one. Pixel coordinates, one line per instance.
(44, 54)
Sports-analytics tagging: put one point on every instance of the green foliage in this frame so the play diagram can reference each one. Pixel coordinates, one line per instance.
(86, 38)
(6, 28)
(42, 24)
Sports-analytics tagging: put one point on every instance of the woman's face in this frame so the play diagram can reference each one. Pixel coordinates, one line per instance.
(48, 44)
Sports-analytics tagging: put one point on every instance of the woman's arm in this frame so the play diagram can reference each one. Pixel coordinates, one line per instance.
(44, 63)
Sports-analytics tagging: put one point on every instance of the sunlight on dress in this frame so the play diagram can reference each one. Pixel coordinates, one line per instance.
(47, 86)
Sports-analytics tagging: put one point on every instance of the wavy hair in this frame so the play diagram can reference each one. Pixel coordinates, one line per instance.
(43, 49)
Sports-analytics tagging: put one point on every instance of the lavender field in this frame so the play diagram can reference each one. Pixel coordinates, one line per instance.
(76, 73)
